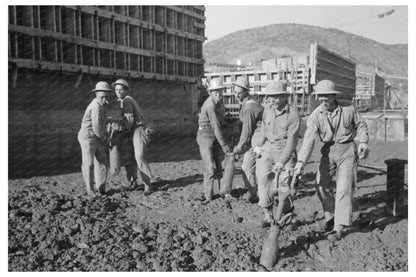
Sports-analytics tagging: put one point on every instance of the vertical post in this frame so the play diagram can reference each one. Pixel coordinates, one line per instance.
(113, 40)
(81, 61)
(97, 38)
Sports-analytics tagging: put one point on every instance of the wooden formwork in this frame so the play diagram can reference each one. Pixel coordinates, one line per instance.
(328, 65)
(370, 92)
(154, 42)
(57, 54)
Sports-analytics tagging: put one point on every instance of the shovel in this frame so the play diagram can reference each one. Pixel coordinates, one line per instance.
(270, 249)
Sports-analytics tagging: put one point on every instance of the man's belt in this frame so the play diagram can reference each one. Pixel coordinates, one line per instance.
(337, 142)
(205, 127)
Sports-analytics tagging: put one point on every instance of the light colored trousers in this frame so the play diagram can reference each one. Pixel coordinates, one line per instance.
(268, 186)
(211, 154)
(339, 161)
(249, 171)
(94, 161)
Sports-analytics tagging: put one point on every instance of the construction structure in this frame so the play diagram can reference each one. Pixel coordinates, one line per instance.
(56, 54)
(370, 92)
(300, 74)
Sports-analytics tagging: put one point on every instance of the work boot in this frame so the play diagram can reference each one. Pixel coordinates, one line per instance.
(336, 233)
(227, 197)
(268, 218)
(329, 225)
(250, 197)
(206, 200)
(90, 193)
(147, 190)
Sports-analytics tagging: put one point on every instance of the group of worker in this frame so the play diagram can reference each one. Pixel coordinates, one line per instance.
(268, 141)
(96, 133)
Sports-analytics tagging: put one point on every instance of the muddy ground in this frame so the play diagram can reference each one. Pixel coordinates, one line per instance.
(55, 226)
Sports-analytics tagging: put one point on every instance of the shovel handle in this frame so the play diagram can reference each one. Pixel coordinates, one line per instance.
(293, 189)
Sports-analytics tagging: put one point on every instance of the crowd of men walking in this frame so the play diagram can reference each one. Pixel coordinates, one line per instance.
(267, 142)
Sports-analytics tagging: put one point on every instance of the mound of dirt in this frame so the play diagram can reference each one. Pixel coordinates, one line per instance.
(55, 226)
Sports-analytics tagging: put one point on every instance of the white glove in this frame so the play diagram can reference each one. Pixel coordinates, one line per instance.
(237, 150)
(362, 151)
(299, 167)
(257, 151)
(277, 167)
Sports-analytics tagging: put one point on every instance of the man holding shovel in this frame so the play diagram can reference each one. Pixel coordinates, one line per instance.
(277, 151)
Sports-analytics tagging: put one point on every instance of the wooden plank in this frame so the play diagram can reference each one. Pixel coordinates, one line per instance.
(338, 56)
(187, 12)
(135, 21)
(321, 69)
(337, 65)
(97, 44)
(55, 66)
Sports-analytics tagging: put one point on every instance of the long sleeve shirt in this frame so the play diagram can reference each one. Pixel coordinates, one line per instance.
(281, 127)
(212, 116)
(131, 112)
(343, 125)
(95, 120)
(251, 113)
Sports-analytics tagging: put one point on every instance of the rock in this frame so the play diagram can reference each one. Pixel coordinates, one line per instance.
(82, 245)
(199, 240)
(138, 229)
(141, 247)
(141, 266)
(202, 259)
(187, 246)
(157, 266)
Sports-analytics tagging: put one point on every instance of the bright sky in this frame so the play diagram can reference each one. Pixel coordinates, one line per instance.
(360, 20)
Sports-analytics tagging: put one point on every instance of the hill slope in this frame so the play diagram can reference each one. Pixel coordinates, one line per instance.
(276, 40)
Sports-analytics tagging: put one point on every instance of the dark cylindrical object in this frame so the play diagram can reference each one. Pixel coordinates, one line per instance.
(270, 248)
(395, 185)
(228, 175)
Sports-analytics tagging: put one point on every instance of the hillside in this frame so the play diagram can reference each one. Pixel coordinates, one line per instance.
(276, 40)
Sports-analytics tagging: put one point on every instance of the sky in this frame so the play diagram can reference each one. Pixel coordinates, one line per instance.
(360, 20)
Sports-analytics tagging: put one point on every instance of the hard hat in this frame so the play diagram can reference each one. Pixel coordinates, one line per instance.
(102, 86)
(215, 84)
(120, 82)
(275, 88)
(325, 87)
(242, 82)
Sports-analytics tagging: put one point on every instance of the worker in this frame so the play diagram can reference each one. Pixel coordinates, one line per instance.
(337, 127)
(136, 133)
(276, 149)
(93, 138)
(250, 115)
(210, 137)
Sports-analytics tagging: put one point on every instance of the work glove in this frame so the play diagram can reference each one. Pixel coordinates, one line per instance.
(226, 149)
(277, 167)
(237, 150)
(299, 167)
(149, 130)
(362, 151)
(257, 151)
